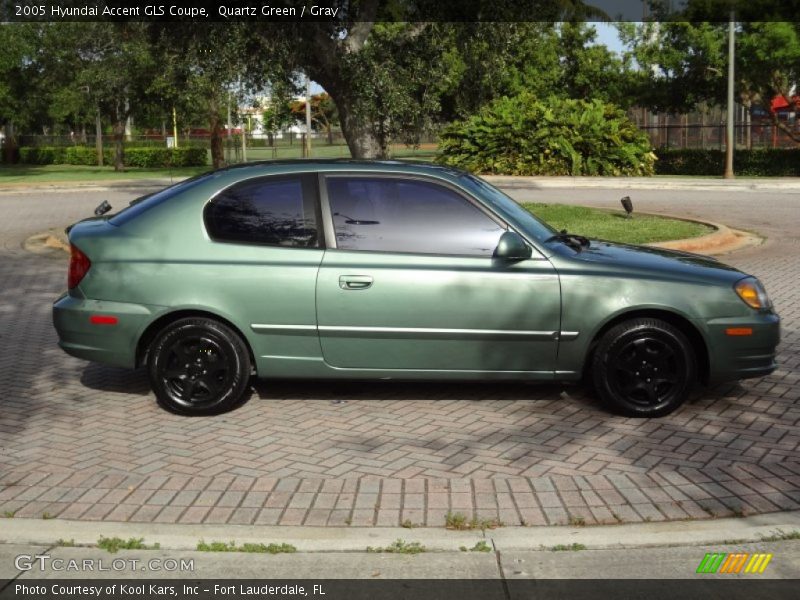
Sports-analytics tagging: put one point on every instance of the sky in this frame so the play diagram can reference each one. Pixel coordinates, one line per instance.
(607, 35)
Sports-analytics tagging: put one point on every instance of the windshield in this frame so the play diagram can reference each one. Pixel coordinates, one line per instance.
(145, 203)
(506, 206)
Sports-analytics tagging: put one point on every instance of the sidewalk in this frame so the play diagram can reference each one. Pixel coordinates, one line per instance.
(744, 184)
(649, 550)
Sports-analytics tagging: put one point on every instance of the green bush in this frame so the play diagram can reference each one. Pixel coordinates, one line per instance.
(190, 156)
(41, 155)
(146, 157)
(524, 135)
(80, 155)
(770, 162)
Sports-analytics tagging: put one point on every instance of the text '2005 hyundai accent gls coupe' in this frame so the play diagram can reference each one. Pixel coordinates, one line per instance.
(391, 270)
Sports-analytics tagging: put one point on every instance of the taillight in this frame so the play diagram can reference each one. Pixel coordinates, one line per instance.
(79, 265)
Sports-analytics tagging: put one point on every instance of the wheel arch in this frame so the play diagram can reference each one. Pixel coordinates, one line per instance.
(152, 330)
(677, 320)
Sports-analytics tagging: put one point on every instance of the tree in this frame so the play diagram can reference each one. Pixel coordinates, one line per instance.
(591, 71)
(102, 68)
(769, 66)
(387, 78)
(277, 114)
(19, 105)
(323, 113)
(204, 69)
(684, 64)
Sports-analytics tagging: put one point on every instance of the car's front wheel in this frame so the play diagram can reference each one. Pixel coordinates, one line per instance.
(198, 366)
(644, 368)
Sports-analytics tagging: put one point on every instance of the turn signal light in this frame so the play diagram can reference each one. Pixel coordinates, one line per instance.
(738, 331)
(752, 293)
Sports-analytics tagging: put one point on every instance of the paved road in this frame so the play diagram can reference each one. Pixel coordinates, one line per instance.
(84, 441)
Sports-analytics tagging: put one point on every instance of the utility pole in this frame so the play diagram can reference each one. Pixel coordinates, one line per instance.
(308, 118)
(175, 125)
(730, 142)
(230, 133)
(98, 138)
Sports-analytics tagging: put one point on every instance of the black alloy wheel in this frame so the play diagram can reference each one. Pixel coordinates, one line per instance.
(644, 368)
(198, 366)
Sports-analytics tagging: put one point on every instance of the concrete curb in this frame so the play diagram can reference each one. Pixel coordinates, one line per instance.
(356, 539)
(787, 185)
(721, 241)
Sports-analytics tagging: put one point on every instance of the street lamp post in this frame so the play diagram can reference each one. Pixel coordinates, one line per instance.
(308, 118)
(730, 141)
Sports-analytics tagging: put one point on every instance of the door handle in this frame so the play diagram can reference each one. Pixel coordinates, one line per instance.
(355, 282)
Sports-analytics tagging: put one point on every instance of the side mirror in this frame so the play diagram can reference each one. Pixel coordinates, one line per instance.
(512, 247)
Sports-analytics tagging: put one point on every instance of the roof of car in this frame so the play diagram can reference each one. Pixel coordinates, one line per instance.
(346, 164)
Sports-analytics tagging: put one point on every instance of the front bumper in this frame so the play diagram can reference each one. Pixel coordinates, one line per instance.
(110, 344)
(743, 356)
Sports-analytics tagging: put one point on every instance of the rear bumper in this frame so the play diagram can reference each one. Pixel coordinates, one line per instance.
(743, 356)
(104, 343)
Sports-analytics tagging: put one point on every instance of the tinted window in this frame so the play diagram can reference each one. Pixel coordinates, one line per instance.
(395, 215)
(273, 211)
(507, 206)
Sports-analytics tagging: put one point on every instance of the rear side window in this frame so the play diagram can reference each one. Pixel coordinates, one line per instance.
(272, 211)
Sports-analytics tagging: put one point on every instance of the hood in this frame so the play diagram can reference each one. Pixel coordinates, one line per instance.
(658, 261)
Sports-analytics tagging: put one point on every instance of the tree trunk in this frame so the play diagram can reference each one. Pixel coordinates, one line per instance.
(10, 150)
(360, 136)
(215, 123)
(119, 148)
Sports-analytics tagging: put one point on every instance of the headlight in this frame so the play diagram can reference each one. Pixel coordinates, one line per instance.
(752, 293)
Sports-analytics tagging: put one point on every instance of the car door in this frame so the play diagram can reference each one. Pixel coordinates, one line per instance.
(408, 282)
(265, 248)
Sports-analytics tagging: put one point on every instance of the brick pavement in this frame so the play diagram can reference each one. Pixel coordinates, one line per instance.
(85, 441)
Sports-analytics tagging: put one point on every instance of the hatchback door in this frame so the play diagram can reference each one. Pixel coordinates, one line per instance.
(411, 283)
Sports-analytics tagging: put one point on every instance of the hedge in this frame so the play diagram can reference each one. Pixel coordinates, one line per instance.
(770, 162)
(42, 155)
(143, 157)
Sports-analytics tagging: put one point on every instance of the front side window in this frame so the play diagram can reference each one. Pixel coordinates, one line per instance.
(274, 211)
(403, 215)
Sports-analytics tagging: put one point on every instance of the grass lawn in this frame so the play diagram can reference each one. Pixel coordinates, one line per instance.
(613, 226)
(14, 174)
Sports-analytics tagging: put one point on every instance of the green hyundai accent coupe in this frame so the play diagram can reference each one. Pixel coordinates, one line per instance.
(393, 270)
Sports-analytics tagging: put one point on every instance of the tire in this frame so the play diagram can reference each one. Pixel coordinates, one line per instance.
(198, 366)
(644, 368)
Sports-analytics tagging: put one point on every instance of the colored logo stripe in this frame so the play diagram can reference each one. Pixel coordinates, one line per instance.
(711, 563)
(721, 562)
(758, 563)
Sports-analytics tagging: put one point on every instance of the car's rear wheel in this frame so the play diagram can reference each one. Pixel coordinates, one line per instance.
(644, 368)
(198, 366)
